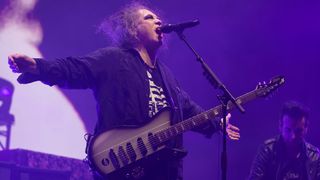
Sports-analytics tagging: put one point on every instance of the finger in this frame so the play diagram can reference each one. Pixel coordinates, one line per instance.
(15, 71)
(233, 127)
(228, 116)
(234, 134)
(14, 67)
(234, 137)
(10, 60)
(13, 58)
(231, 132)
(16, 55)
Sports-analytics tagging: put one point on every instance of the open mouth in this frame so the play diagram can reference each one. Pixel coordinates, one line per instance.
(158, 31)
(160, 34)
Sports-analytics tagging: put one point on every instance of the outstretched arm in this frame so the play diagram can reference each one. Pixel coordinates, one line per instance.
(70, 72)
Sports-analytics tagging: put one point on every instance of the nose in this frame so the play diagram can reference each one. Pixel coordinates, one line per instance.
(158, 22)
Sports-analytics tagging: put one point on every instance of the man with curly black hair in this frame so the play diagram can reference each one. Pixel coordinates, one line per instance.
(131, 87)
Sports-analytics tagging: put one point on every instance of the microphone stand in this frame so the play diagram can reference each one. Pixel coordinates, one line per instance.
(224, 98)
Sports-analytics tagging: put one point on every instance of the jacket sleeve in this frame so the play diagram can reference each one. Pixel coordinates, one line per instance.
(190, 109)
(187, 108)
(313, 163)
(259, 165)
(70, 72)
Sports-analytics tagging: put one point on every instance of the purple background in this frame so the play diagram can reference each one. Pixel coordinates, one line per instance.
(243, 41)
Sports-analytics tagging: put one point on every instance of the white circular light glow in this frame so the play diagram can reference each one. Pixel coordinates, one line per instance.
(45, 120)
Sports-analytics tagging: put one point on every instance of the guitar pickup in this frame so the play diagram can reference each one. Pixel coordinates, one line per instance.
(131, 153)
(154, 141)
(142, 147)
(114, 159)
(123, 156)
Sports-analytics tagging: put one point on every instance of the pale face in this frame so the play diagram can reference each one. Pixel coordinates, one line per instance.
(293, 131)
(148, 29)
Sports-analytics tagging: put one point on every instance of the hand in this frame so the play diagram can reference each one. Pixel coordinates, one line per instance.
(20, 63)
(232, 131)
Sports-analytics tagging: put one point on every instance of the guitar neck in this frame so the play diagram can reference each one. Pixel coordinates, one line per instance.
(200, 119)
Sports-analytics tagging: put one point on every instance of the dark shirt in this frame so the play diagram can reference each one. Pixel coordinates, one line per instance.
(121, 88)
(272, 162)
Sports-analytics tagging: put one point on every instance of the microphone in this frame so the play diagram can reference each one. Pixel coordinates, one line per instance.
(168, 28)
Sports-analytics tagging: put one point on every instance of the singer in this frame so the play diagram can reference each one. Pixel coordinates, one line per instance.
(131, 87)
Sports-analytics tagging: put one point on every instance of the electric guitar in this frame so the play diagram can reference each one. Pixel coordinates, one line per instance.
(118, 151)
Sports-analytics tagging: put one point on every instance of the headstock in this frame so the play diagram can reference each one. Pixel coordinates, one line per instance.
(264, 89)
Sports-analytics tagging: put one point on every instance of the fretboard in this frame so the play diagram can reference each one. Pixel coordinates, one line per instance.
(200, 119)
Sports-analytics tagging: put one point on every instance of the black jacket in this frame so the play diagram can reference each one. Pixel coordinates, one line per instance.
(269, 161)
(119, 81)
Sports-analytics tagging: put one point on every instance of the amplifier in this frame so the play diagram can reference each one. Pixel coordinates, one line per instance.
(33, 165)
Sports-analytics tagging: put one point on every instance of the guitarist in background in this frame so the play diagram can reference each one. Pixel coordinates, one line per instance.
(129, 83)
(288, 156)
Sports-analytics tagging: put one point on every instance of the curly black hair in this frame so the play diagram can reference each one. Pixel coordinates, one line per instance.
(121, 26)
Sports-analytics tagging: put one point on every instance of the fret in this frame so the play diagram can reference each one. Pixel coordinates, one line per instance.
(162, 136)
(173, 131)
(187, 125)
(179, 128)
(193, 123)
(168, 133)
(182, 127)
(205, 116)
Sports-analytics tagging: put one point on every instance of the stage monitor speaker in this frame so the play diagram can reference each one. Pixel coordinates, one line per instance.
(12, 172)
(6, 170)
(30, 165)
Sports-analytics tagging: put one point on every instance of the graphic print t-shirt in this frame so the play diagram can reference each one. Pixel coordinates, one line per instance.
(157, 97)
